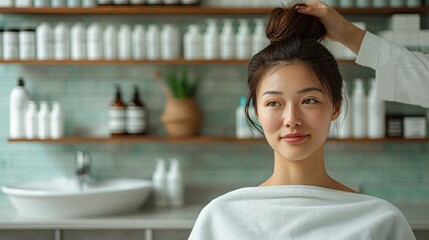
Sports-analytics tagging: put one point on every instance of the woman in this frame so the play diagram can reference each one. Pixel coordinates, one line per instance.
(296, 87)
(402, 75)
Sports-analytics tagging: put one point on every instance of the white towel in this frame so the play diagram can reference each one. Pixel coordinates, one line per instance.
(299, 212)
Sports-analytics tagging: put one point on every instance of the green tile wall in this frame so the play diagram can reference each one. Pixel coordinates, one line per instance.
(394, 171)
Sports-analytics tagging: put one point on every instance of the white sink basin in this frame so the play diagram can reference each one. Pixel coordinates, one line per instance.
(63, 198)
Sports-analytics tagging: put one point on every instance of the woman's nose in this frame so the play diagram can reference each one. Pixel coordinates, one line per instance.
(292, 117)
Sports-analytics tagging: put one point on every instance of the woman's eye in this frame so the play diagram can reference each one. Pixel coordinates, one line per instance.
(309, 101)
(272, 104)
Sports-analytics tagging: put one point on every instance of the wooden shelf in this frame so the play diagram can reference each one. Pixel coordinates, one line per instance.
(166, 62)
(187, 10)
(196, 139)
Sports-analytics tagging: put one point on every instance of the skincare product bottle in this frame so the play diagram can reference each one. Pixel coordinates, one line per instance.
(88, 3)
(193, 43)
(124, 42)
(187, 2)
(110, 42)
(359, 110)
(153, 47)
(139, 42)
(17, 106)
(116, 114)
(31, 121)
(136, 115)
(78, 42)
(242, 129)
(58, 3)
(159, 181)
(243, 41)
(153, 1)
(44, 41)
(23, 3)
(227, 41)
(10, 44)
(211, 40)
(61, 42)
(170, 1)
(376, 114)
(259, 40)
(175, 185)
(95, 43)
(43, 121)
(57, 121)
(170, 42)
(73, 3)
(27, 44)
(41, 3)
(344, 120)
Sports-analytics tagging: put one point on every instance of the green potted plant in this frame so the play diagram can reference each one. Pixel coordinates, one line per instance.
(181, 116)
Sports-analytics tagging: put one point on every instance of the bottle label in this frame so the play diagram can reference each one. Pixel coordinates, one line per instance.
(116, 120)
(136, 120)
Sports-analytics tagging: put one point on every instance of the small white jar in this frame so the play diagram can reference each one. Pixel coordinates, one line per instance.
(44, 41)
(10, 44)
(27, 44)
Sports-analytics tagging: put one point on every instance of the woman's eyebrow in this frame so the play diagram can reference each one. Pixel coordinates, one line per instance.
(273, 92)
(304, 90)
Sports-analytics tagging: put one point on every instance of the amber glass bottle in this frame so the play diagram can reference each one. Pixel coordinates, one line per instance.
(136, 115)
(117, 114)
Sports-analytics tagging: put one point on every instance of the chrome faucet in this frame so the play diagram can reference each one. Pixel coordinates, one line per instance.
(83, 166)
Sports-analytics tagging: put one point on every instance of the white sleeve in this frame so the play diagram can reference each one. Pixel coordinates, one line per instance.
(402, 75)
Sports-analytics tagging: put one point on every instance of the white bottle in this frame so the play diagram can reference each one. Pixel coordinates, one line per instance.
(376, 114)
(78, 42)
(41, 3)
(243, 41)
(259, 40)
(61, 42)
(23, 3)
(242, 129)
(31, 121)
(175, 185)
(110, 42)
(359, 110)
(153, 46)
(124, 42)
(170, 42)
(17, 106)
(43, 121)
(139, 42)
(186, 2)
(153, 1)
(344, 120)
(227, 41)
(170, 1)
(193, 43)
(45, 41)
(10, 44)
(73, 3)
(95, 42)
(88, 3)
(57, 121)
(159, 181)
(58, 3)
(211, 40)
(27, 44)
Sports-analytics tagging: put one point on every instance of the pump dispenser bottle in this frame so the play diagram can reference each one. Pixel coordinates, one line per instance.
(376, 114)
(243, 40)
(175, 185)
(259, 40)
(17, 106)
(227, 41)
(193, 43)
(159, 180)
(136, 115)
(211, 40)
(116, 114)
(359, 110)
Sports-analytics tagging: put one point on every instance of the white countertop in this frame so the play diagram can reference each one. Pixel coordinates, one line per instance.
(160, 218)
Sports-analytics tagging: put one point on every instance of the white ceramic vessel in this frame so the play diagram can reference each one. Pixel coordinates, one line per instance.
(63, 198)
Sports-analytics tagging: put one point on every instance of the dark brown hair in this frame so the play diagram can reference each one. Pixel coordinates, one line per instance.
(294, 38)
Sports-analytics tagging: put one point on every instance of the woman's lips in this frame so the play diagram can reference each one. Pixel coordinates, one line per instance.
(295, 137)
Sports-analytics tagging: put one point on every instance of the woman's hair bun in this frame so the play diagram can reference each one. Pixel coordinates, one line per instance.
(286, 23)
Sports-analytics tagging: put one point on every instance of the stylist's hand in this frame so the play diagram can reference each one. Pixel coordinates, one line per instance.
(338, 28)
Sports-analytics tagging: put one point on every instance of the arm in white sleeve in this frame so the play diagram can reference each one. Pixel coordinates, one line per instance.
(402, 75)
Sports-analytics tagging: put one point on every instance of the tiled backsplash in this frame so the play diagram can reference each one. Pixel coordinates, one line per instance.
(394, 171)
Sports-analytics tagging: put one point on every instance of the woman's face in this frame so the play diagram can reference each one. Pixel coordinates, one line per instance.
(294, 112)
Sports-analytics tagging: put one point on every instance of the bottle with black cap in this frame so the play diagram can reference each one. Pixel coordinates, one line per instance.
(136, 115)
(18, 104)
(116, 114)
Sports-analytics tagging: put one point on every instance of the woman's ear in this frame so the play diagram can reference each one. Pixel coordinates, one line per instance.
(336, 112)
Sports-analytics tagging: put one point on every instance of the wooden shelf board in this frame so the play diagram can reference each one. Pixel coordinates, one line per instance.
(197, 139)
(166, 62)
(188, 10)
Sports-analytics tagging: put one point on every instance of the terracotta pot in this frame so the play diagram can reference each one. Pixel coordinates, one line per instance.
(181, 117)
